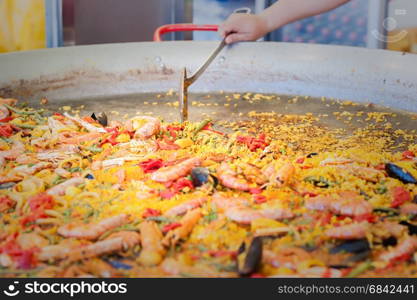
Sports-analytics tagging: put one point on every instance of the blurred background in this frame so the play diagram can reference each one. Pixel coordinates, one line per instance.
(34, 24)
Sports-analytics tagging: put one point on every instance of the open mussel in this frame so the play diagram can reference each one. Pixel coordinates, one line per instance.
(412, 229)
(101, 118)
(200, 176)
(352, 246)
(399, 173)
(249, 258)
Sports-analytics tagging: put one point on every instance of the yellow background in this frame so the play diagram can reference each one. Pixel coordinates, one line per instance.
(22, 25)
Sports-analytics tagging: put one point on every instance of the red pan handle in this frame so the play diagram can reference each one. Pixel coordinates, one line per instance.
(181, 27)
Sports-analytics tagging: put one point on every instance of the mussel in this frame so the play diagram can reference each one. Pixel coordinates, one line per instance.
(412, 229)
(101, 118)
(352, 246)
(249, 258)
(7, 185)
(200, 176)
(399, 173)
(391, 241)
(119, 265)
(89, 176)
(312, 154)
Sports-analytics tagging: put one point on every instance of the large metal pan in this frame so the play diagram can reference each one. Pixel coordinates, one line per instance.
(127, 71)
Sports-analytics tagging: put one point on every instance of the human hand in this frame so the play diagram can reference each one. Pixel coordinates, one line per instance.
(243, 27)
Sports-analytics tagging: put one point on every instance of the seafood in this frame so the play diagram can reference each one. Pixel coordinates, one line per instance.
(399, 173)
(186, 226)
(94, 230)
(186, 206)
(345, 203)
(151, 239)
(143, 126)
(349, 232)
(269, 195)
(59, 189)
(237, 209)
(229, 178)
(176, 171)
(279, 176)
(86, 125)
(405, 247)
(409, 209)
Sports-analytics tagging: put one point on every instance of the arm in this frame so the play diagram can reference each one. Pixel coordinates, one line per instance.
(252, 27)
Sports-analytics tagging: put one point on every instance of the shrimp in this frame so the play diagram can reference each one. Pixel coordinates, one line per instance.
(345, 203)
(409, 209)
(26, 170)
(174, 172)
(229, 178)
(368, 174)
(119, 161)
(86, 125)
(31, 240)
(60, 189)
(58, 251)
(17, 149)
(26, 159)
(246, 215)
(152, 249)
(89, 268)
(108, 245)
(4, 112)
(280, 176)
(285, 258)
(8, 101)
(144, 126)
(129, 238)
(336, 161)
(62, 172)
(87, 137)
(406, 247)
(349, 232)
(184, 207)
(237, 209)
(187, 224)
(93, 230)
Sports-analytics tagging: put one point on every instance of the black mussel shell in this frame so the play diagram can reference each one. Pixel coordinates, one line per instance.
(200, 176)
(249, 259)
(391, 241)
(412, 229)
(7, 185)
(352, 246)
(312, 154)
(100, 118)
(399, 173)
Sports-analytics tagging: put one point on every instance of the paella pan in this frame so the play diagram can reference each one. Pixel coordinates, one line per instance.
(99, 178)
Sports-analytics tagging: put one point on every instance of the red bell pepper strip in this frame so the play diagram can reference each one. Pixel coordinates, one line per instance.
(170, 227)
(399, 196)
(150, 212)
(151, 165)
(181, 184)
(407, 155)
(6, 130)
(38, 204)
